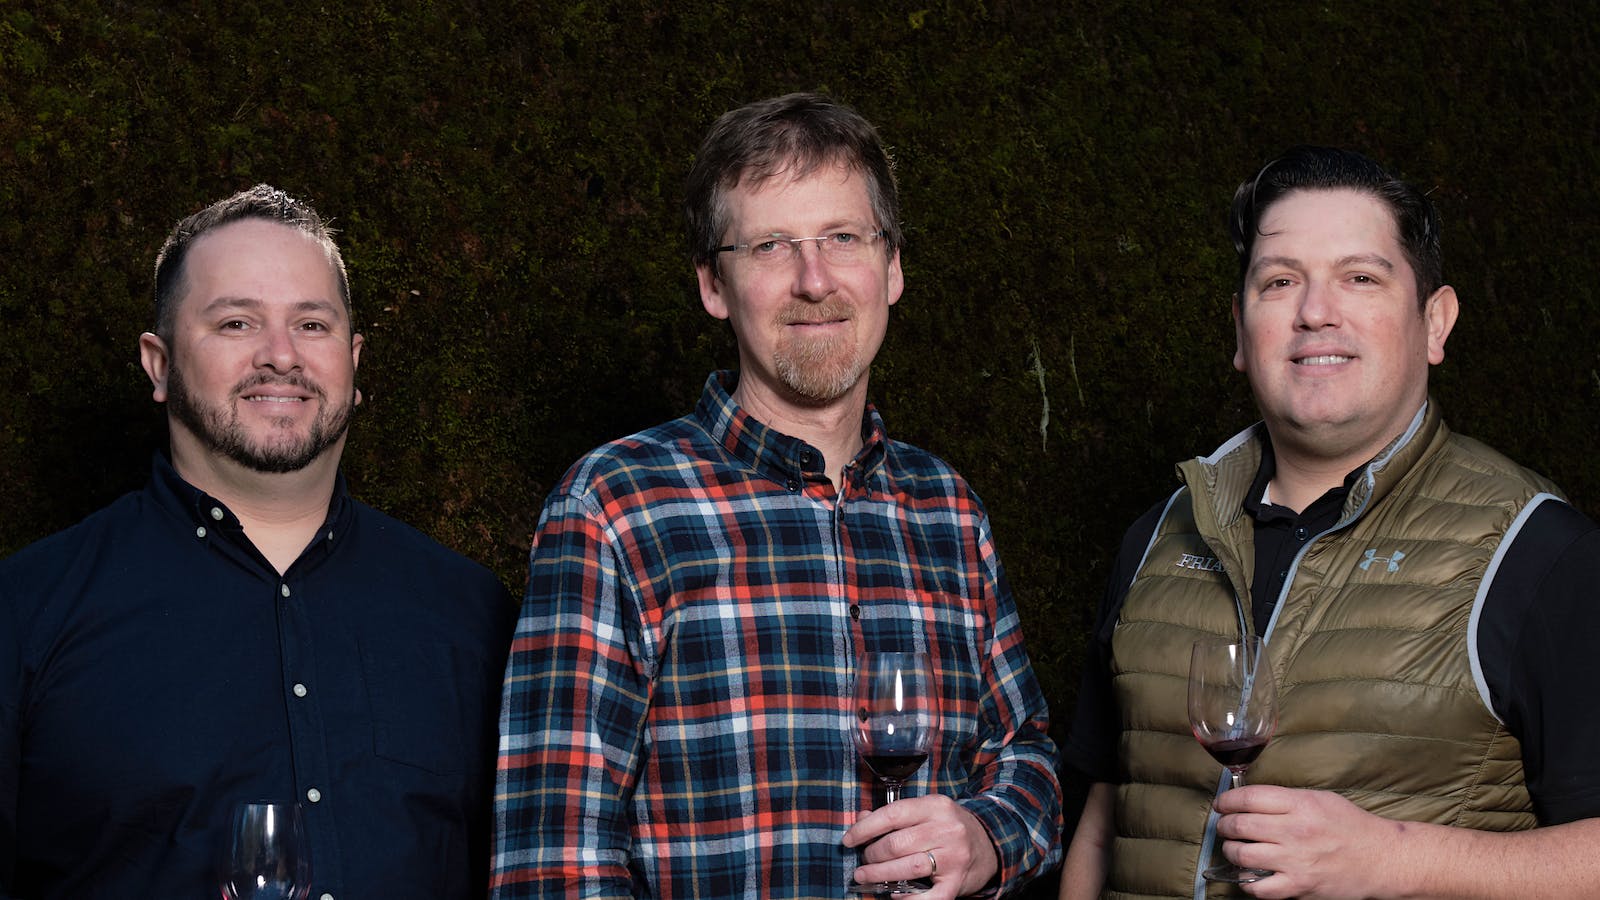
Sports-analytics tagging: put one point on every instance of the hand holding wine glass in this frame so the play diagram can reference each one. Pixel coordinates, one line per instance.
(897, 720)
(1233, 709)
(265, 856)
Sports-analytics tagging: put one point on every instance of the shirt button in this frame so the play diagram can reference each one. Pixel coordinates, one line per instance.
(216, 513)
(314, 795)
(299, 690)
(805, 458)
(326, 897)
(200, 532)
(284, 590)
(794, 486)
(855, 611)
(1299, 534)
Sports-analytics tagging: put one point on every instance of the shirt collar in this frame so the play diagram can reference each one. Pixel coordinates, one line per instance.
(771, 452)
(205, 511)
(1261, 508)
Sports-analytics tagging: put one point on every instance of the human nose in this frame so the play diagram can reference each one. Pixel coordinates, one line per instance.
(277, 350)
(1319, 307)
(814, 279)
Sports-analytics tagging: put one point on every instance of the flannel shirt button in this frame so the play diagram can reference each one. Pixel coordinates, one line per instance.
(805, 458)
(855, 610)
(794, 485)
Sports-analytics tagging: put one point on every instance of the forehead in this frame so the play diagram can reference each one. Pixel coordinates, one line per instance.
(793, 201)
(259, 260)
(1336, 222)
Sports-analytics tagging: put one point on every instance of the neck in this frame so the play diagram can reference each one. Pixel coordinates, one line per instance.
(280, 512)
(833, 428)
(1297, 483)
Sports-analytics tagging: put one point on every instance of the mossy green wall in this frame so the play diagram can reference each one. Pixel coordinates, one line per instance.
(506, 180)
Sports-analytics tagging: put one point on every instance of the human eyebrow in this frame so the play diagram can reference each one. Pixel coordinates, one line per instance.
(1365, 259)
(1272, 262)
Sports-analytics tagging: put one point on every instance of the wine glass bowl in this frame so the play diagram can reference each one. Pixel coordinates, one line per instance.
(896, 725)
(1233, 710)
(265, 855)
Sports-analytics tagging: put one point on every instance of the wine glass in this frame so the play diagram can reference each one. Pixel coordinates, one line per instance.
(897, 720)
(1233, 708)
(266, 856)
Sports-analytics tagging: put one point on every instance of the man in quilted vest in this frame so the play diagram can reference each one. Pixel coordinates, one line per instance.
(1429, 606)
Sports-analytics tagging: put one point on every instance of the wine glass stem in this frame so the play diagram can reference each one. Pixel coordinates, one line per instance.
(891, 792)
(1238, 778)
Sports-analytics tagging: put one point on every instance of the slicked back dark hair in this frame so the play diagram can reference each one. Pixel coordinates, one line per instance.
(1309, 168)
(263, 202)
(792, 135)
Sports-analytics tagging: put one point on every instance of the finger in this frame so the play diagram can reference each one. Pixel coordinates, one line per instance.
(907, 867)
(1257, 798)
(898, 815)
(896, 844)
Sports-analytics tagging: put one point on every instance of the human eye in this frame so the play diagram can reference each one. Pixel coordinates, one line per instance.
(771, 248)
(844, 238)
(235, 325)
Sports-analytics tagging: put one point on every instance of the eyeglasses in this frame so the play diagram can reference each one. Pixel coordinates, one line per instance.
(772, 251)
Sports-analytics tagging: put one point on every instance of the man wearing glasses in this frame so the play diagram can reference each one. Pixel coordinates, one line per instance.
(676, 715)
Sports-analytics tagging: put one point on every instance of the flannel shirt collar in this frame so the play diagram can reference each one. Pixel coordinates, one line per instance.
(778, 456)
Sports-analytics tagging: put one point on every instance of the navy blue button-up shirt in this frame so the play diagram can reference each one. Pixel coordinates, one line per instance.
(155, 670)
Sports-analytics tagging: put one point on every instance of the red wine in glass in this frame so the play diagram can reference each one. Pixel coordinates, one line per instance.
(896, 723)
(1233, 709)
(1238, 753)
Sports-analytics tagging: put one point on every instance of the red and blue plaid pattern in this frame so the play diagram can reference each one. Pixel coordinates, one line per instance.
(676, 719)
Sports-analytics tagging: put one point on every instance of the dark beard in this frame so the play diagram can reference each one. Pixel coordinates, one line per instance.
(221, 433)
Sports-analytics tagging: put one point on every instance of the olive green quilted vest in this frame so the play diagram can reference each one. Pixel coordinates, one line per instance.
(1378, 698)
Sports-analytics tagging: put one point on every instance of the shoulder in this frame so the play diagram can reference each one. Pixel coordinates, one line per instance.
(922, 473)
(666, 453)
(104, 530)
(1480, 465)
(405, 547)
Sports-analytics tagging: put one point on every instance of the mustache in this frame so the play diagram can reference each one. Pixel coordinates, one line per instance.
(827, 311)
(293, 379)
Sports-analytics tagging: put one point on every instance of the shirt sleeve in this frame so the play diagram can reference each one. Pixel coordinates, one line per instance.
(1091, 747)
(1014, 790)
(10, 728)
(572, 719)
(1536, 640)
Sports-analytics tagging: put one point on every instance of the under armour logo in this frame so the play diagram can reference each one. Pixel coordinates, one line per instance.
(1393, 561)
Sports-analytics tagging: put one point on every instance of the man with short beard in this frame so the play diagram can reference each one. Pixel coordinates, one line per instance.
(242, 629)
(677, 718)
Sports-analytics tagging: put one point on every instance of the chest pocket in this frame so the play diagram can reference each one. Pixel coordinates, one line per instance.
(424, 701)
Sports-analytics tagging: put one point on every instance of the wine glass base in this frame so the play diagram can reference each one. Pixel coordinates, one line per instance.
(1232, 874)
(891, 888)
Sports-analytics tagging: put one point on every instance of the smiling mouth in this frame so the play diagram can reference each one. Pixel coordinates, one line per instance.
(260, 398)
(1326, 360)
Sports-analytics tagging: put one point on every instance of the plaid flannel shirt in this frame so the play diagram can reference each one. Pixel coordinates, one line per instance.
(676, 719)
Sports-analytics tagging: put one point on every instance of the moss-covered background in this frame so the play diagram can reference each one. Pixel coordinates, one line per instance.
(506, 177)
